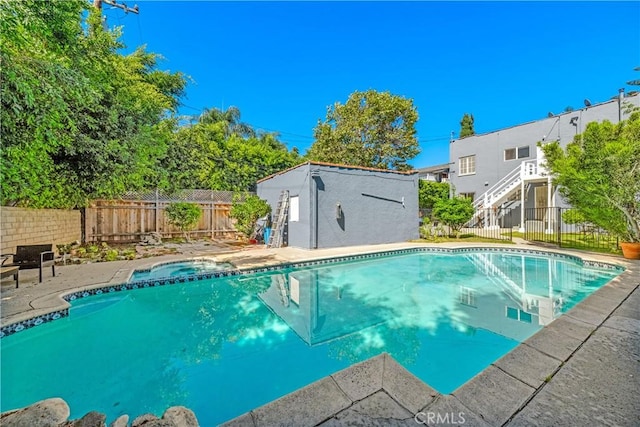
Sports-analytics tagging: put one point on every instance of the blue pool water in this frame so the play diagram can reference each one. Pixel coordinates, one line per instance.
(182, 268)
(225, 346)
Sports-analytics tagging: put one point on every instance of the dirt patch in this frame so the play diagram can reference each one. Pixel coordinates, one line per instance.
(103, 252)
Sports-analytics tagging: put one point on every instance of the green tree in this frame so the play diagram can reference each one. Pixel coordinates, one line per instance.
(455, 212)
(206, 155)
(430, 192)
(246, 210)
(77, 117)
(599, 174)
(372, 129)
(466, 126)
(184, 215)
(231, 120)
(573, 216)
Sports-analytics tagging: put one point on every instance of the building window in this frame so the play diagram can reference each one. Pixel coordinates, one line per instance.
(467, 195)
(467, 165)
(516, 153)
(467, 296)
(294, 209)
(517, 314)
(510, 154)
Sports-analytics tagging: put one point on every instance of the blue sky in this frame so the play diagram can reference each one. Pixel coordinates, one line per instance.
(283, 63)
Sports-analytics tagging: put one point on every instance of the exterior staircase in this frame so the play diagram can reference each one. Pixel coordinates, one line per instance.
(486, 205)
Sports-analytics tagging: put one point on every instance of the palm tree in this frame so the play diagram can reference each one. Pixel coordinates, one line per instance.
(231, 120)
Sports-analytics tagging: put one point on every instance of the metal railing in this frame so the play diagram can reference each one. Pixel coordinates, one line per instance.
(431, 227)
(541, 225)
(546, 225)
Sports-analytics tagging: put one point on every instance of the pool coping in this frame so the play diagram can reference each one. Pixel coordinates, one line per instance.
(390, 386)
(61, 301)
(381, 388)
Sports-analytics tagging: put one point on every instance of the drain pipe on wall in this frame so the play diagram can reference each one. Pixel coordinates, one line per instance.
(315, 176)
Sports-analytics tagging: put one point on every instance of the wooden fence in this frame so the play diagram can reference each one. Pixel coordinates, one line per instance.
(121, 221)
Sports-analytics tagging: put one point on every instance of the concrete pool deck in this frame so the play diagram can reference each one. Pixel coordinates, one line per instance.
(582, 369)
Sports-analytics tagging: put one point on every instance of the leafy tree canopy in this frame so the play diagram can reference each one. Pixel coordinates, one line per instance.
(455, 212)
(430, 192)
(78, 117)
(573, 216)
(372, 129)
(466, 126)
(184, 215)
(599, 174)
(216, 154)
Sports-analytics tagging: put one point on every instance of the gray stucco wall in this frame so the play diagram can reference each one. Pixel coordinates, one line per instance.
(371, 205)
(489, 148)
(296, 181)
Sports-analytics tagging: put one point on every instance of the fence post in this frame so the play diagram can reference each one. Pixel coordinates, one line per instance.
(142, 214)
(211, 222)
(559, 225)
(156, 210)
(511, 224)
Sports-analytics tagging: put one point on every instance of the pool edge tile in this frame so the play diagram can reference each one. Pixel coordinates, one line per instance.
(572, 327)
(244, 420)
(449, 405)
(553, 343)
(312, 404)
(370, 411)
(8, 326)
(529, 365)
(410, 391)
(494, 395)
(362, 379)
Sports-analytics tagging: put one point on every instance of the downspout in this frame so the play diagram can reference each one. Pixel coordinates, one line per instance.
(313, 196)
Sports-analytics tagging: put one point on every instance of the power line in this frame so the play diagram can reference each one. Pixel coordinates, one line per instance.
(298, 138)
(435, 138)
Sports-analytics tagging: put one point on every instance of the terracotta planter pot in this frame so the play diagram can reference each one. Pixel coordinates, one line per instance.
(630, 250)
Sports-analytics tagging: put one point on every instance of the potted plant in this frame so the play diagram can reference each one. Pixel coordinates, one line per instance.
(599, 174)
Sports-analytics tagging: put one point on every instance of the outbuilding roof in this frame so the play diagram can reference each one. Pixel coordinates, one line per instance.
(411, 172)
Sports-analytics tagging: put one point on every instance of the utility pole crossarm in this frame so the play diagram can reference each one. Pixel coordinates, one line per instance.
(98, 5)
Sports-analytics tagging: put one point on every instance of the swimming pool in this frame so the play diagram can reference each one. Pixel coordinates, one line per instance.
(226, 345)
(179, 268)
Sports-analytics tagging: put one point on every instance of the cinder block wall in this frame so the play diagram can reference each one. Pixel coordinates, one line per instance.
(22, 226)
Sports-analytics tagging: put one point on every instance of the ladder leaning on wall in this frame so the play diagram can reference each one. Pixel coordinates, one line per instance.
(282, 210)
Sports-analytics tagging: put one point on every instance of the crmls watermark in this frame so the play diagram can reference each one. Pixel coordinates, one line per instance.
(435, 418)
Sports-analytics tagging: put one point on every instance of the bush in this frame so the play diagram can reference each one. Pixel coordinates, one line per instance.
(111, 255)
(129, 254)
(430, 193)
(246, 211)
(454, 212)
(183, 215)
(431, 231)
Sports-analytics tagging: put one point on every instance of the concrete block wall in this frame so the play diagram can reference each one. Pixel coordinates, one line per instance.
(23, 226)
